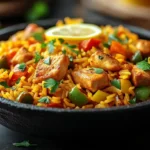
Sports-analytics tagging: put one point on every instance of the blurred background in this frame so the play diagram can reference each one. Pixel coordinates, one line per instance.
(135, 12)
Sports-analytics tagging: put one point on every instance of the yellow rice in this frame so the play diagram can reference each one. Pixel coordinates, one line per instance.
(115, 96)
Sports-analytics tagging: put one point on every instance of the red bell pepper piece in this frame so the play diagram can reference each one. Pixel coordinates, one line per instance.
(117, 48)
(16, 76)
(88, 44)
(56, 105)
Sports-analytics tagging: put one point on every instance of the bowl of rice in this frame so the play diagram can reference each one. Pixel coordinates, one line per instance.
(73, 76)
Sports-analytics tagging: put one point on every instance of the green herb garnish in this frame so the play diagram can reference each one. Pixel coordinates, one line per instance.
(144, 65)
(43, 45)
(22, 66)
(114, 37)
(116, 83)
(24, 144)
(61, 40)
(107, 45)
(37, 57)
(98, 70)
(39, 36)
(4, 83)
(74, 51)
(51, 46)
(64, 51)
(125, 41)
(71, 47)
(71, 58)
(44, 100)
(101, 57)
(18, 81)
(132, 101)
(47, 61)
(52, 84)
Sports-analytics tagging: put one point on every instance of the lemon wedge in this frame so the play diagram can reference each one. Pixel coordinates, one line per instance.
(74, 32)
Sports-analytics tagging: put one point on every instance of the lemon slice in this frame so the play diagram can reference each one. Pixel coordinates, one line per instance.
(74, 31)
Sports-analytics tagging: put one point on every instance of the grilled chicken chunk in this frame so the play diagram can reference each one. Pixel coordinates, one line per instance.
(28, 32)
(104, 61)
(57, 68)
(31, 29)
(140, 77)
(90, 80)
(21, 56)
(144, 47)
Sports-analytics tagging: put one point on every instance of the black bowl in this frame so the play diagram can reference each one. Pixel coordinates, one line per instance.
(39, 121)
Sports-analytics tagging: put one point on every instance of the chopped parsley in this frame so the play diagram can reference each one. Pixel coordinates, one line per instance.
(22, 66)
(18, 81)
(71, 58)
(39, 36)
(47, 61)
(125, 41)
(100, 57)
(64, 51)
(114, 37)
(98, 70)
(52, 84)
(144, 65)
(51, 46)
(4, 84)
(132, 101)
(24, 144)
(44, 100)
(116, 83)
(43, 45)
(37, 57)
(74, 51)
(72, 47)
(61, 40)
(107, 45)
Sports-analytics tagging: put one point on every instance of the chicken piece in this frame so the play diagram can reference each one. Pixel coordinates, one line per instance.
(27, 32)
(21, 56)
(57, 69)
(140, 77)
(104, 61)
(90, 80)
(31, 29)
(144, 47)
(127, 66)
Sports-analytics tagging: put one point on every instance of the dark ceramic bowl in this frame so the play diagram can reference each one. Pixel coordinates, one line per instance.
(39, 121)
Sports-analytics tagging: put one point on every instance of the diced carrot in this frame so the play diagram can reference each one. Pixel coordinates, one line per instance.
(117, 48)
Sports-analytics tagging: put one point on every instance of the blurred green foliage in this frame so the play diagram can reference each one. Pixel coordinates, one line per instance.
(37, 11)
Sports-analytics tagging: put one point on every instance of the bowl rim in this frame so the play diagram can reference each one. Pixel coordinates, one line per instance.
(14, 104)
